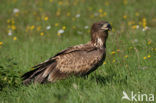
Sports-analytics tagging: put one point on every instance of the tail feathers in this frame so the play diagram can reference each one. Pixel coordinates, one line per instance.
(36, 75)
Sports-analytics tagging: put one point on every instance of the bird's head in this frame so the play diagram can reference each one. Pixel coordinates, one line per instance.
(102, 26)
(99, 32)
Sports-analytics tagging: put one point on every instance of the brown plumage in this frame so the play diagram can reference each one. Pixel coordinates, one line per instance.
(77, 60)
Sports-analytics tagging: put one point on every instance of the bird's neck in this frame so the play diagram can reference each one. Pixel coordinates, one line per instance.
(99, 39)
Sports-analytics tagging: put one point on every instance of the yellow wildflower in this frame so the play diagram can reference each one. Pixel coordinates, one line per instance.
(60, 2)
(13, 27)
(8, 21)
(145, 57)
(59, 34)
(149, 56)
(64, 27)
(113, 52)
(126, 56)
(105, 14)
(149, 42)
(41, 33)
(58, 13)
(51, 1)
(125, 2)
(56, 24)
(1, 43)
(38, 28)
(32, 27)
(14, 38)
(125, 16)
(45, 18)
(100, 10)
(113, 60)
(135, 26)
(104, 62)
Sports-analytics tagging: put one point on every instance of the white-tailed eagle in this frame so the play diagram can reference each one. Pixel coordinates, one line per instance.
(79, 60)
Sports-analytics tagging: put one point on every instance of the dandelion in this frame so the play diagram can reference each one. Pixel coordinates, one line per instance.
(149, 42)
(105, 14)
(77, 15)
(125, 2)
(45, 18)
(38, 28)
(125, 16)
(8, 21)
(13, 27)
(1, 43)
(48, 27)
(58, 13)
(113, 61)
(149, 56)
(60, 3)
(14, 38)
(100, 10)
(42, 33)
(64, 27)
(126, 56)
(56, 24)
(32, 27)
(113, 52)
(144, 23)
(104, 62)
(51, 1)
(145, 57)
(135, 27)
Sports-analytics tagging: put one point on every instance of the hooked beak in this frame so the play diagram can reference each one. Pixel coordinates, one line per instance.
(106, 26)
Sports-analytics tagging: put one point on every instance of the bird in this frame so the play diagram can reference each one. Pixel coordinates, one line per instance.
(79, 60)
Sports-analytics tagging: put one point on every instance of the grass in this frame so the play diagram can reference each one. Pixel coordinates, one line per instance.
(130, 62)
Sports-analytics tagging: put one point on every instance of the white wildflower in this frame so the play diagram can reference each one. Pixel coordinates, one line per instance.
(15, 10)
(86, 27)
(145, 28)
(60, 31)
(10, 32)
(77, 15)
(48, 27)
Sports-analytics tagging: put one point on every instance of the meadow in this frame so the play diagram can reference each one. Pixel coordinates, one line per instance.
(33, 31)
